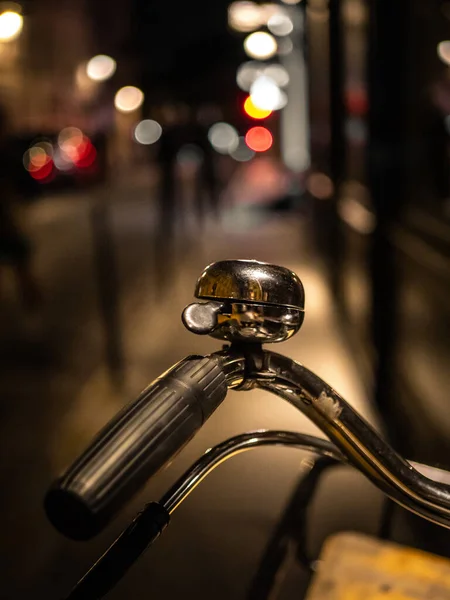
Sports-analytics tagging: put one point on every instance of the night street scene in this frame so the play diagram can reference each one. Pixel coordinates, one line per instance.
(225, 198)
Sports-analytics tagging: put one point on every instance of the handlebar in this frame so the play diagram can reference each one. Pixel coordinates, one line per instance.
(152, 429)
(141, 439)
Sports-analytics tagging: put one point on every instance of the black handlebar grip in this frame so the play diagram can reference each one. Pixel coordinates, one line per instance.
(142, 438)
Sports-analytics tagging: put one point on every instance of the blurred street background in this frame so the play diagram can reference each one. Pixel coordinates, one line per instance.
(141, 141)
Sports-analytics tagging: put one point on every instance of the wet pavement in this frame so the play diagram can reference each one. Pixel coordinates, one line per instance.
(56, 392)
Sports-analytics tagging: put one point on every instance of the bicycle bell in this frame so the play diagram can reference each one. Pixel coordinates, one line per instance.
(246, 301)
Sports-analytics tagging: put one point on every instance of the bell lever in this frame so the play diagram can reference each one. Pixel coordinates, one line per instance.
(202, 317)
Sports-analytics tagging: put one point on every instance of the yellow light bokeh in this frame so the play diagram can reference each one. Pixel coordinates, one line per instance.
(11, 24)
(254, 111)
(128, 99)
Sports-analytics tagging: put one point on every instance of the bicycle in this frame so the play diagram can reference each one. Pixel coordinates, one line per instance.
(247, 304)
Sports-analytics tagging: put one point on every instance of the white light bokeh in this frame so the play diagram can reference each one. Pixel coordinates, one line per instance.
(147, 132)
(443, 51)
(277, 73)
(265, 94)
(61, 162)
(244, 16)
(260, 45)
(292, 2)
(280, 25)
(69, 137)
(11, 24)
(356, 215)
(223, 138)
(248, 73)
(269, 9)
(285, 46)
(128, 99)
(101, 67)
(242, 153)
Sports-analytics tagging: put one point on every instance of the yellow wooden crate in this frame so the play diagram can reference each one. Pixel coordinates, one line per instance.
(354, 566)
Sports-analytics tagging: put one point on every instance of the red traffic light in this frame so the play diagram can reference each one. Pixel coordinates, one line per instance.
(259, 139)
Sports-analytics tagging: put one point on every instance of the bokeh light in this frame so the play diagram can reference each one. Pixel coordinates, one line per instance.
(355, 13)
(147, 132)
(268, 10)
(69, 138)
(38, 156)
(320, 186)
(101, 67)
(251, 70)
(128, 99)
(277, 73)
(38, 161)
(285, 46)
(11, 23)
(266, 95)
(443, 51)
(44, 173)
(75, 149)
(280, 25)
(356, 215)
(244, 16)
(292, 2)
(259, 139)
(223, 137)
(260, 45)
(247, 74)
(254, 111)
(242, 153)
(62, 163)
